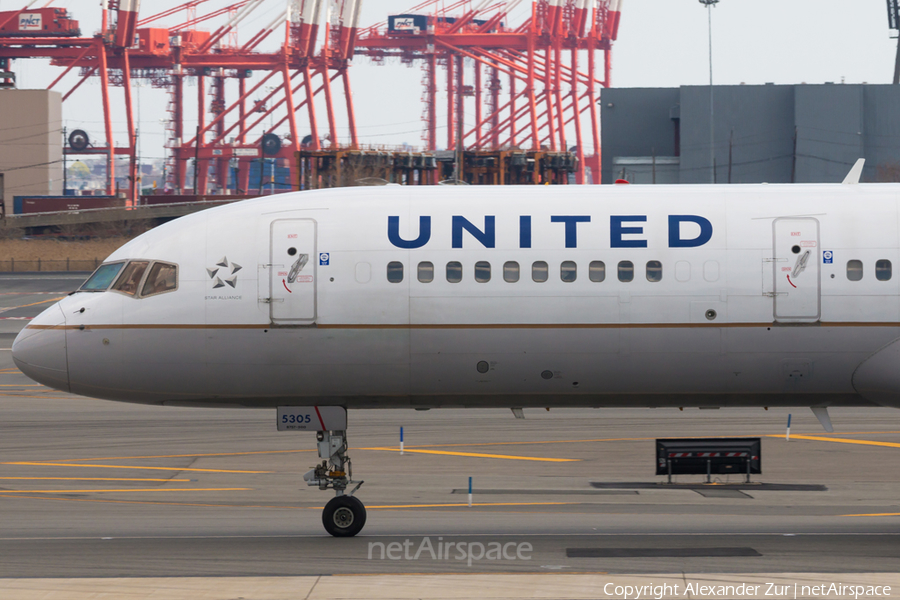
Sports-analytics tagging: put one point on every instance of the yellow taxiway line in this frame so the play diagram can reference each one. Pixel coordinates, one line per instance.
(150, 502)
(475, 455)
(75, 460)
(3, 310)
(4, 492)
(91, 479)
(875, 515)
(14, 395)
(623, 439)
(46, 464)
(636, 439)
(816, 438)
(424, 449)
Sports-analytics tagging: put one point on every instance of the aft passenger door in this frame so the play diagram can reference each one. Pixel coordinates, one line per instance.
(796, 270)
(292, 272)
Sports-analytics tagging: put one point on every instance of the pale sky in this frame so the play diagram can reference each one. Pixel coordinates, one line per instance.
(662, 43)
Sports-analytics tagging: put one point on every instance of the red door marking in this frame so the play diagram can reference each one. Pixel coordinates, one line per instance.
(284, 283)
(318, 414)
(789, 281)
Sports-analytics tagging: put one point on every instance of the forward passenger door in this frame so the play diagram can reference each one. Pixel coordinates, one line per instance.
(292, 271)
(797, 284)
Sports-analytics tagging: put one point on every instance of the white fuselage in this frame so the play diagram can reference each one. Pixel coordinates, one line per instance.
(739, 295)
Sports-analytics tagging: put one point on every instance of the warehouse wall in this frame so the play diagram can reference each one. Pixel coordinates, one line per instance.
(762, 119)
(775, 134)
(639, 121)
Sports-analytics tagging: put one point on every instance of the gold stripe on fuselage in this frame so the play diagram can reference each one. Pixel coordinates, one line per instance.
(473, 325)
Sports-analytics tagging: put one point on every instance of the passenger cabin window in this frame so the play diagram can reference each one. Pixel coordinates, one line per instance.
(540, 271)
(426, 272)
(597, 271)
(363, 272)
(454, 272)
(883, 270)
(654, 270)
(711, 271)
(626, 270)
(482, 271)
(395, 271)
(102, 277)
(511, 271)
(163, 277)
(128, 281)
(854, 270)
(568, 271)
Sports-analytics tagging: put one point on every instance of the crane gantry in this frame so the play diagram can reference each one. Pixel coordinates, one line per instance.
(528, 83)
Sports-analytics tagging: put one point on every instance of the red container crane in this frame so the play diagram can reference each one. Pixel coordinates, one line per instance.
(228, 129)
(39, 22)
(529, 82)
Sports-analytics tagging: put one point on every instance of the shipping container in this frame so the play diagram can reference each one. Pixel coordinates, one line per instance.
(275, 175)
(39, 22)
(408, 23)
(415, 24)
(24, 205)
(156, 199)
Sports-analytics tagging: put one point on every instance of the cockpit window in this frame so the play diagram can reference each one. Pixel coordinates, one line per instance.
(161, 278)
(128, 281)
(102, 277)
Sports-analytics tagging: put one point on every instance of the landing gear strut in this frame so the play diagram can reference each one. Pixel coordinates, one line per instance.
(344, 515)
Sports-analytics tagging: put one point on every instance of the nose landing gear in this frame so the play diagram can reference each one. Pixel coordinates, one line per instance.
(344, 515)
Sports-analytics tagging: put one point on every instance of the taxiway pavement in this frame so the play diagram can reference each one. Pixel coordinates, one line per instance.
(94, 489)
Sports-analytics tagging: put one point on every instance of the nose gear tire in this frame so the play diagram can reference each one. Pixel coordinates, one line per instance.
(344, 516)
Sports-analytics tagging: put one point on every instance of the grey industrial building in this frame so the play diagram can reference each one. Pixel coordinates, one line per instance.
(763, 133)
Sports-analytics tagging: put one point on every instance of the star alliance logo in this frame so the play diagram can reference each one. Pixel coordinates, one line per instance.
(228, 271)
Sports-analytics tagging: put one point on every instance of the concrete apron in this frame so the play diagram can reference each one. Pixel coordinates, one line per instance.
(455, 586)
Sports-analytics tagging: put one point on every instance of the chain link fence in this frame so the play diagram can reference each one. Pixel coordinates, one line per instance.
(12, 265)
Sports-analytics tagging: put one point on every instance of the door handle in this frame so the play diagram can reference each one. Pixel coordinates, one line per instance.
(297, 267)
(801, 264)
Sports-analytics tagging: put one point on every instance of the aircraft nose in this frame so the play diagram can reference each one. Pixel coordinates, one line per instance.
(39, 350)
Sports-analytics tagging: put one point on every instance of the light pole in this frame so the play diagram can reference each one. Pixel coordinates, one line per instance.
(894, 23)
(712, 126)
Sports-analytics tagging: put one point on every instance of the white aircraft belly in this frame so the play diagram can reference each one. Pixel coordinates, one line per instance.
(599, 365)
